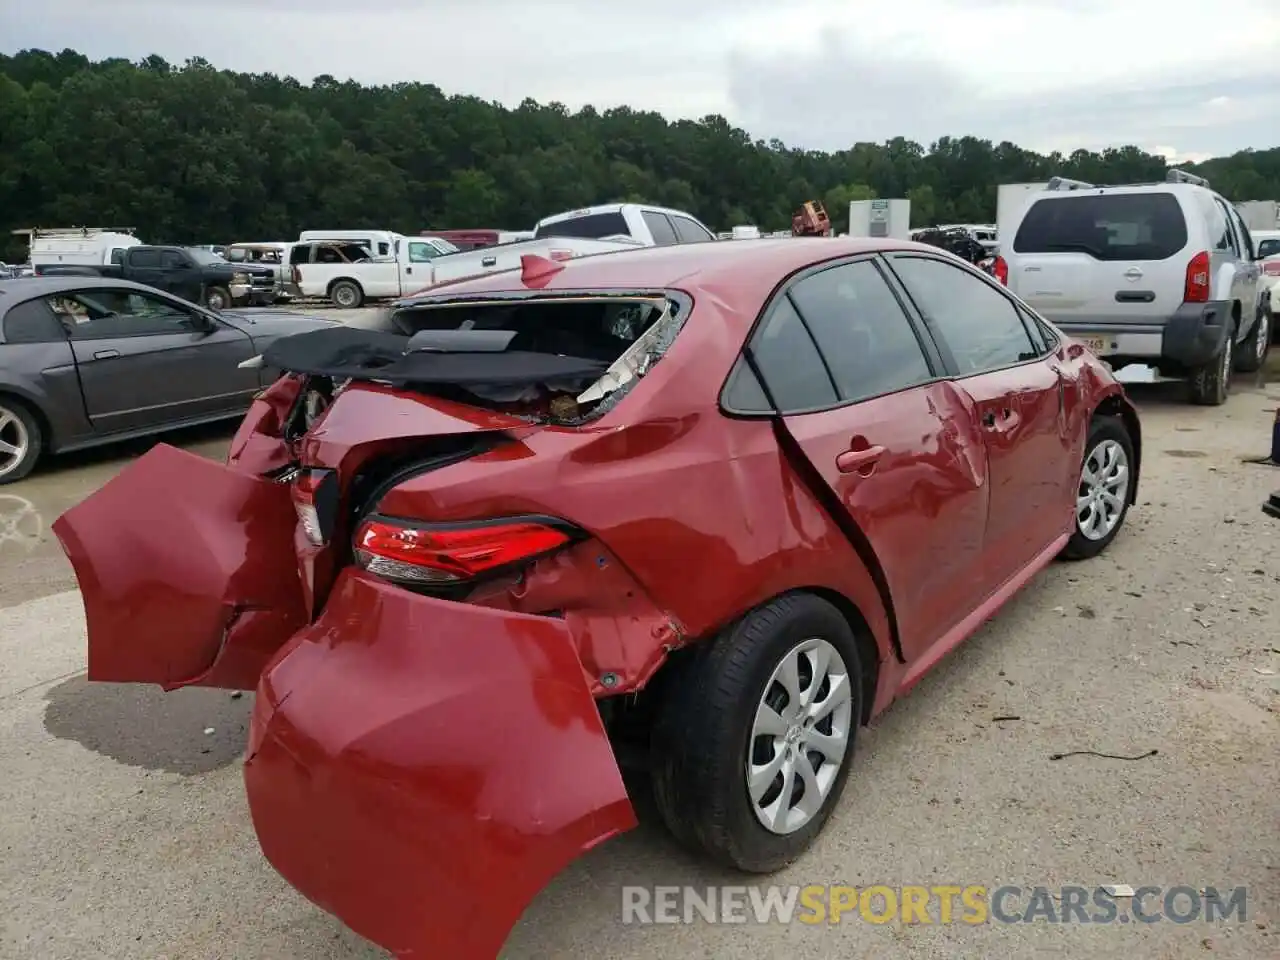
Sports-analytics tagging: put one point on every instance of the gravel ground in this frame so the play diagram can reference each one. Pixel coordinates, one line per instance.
(124, 833)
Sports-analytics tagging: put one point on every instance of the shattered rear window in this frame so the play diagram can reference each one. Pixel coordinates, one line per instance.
(569, 358)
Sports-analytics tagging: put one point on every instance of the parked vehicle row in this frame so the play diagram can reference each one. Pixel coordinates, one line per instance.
(87, 360)
(472, 558)
(191, 273)
(345, 267)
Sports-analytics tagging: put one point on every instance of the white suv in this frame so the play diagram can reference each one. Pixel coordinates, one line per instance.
(1162, 274)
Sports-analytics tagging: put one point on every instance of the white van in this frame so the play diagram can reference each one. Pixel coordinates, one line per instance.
(379, 243)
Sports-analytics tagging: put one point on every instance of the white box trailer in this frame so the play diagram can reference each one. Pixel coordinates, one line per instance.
(1011, 200)
(890, 219)
(1260, 214)
(78, 246)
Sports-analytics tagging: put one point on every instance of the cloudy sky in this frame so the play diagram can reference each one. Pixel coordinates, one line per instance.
(1169, 75)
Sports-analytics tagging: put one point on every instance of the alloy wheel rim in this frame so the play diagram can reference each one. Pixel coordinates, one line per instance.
(799, 737)
(14, 441)
(1104, 485)
(215, 301)
(345, 297)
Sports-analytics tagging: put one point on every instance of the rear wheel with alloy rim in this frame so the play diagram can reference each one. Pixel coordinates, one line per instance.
(752, 745)
(1253, 352)
(1211, 383)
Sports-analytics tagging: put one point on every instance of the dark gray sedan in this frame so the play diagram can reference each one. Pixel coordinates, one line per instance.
(89, 360)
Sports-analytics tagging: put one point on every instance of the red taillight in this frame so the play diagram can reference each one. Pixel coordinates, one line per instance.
(315, 498)
(1000, 270)
(295, 273)
(1197, 288)
(431, 553)
(1271, 268)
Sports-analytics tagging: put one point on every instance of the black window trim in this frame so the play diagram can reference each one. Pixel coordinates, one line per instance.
(180, 305)
(933, 356)
(1021, 311)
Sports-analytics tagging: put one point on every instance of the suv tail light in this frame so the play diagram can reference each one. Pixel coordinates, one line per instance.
(1271, 268)
(1197, 286)
(408, 552)
(295, 273)
(1000, 270)
(315, 498)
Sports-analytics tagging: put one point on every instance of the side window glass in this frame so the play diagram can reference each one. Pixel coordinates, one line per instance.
(144, 258)
(862, 331)
(384, 249)
(171, 259)
(690, 232)
(117, 256)
(32, 322)
(978, 323)
(421, 252)
(744, 393)
(1228, 241)
(99, 314)
(663, 233)
(793, 372)
(1041, 340)
(300, 254)
(1246, 238)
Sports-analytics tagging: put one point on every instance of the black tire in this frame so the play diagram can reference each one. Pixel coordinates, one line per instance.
(18, 425)
(1210, 384)
(701, 737)
(346, 294)
(1252, 354)
(217, 298)
(1101, 430)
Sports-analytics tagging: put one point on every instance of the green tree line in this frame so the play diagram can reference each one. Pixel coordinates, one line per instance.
(192, 154)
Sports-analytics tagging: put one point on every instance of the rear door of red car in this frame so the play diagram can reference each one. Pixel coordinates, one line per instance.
(890, 444)
(1004, 362)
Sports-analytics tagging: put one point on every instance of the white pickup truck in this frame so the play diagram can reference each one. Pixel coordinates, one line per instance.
(347, 275)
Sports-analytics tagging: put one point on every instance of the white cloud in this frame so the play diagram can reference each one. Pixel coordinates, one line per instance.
(1046, 74)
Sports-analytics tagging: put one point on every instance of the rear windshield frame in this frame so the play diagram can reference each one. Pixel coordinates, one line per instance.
(1070, 224)
(565, 230)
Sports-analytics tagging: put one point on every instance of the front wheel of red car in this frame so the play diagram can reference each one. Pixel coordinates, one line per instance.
(1104, 491)
(753, 744)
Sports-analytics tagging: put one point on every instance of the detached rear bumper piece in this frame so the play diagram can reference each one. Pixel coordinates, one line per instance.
(422, 768)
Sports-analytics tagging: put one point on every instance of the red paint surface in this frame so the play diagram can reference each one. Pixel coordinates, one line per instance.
(183, 562)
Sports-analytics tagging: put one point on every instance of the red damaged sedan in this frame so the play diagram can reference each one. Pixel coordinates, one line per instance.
(709, 508)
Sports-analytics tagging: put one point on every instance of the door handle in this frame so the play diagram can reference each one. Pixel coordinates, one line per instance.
(489, 262)
(106, 354)
(862, 462)
(408, 269)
